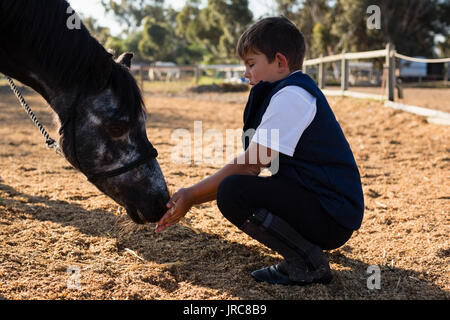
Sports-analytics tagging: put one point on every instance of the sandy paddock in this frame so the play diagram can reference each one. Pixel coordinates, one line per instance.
(52, 221)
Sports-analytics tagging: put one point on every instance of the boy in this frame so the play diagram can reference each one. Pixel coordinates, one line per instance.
(315, 200)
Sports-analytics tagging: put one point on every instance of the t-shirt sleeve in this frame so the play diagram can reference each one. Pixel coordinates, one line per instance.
(291, 110)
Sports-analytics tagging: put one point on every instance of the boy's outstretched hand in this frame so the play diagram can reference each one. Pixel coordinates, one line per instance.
(178, 206)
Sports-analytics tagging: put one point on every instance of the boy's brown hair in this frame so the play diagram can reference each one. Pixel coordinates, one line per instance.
(272, 35)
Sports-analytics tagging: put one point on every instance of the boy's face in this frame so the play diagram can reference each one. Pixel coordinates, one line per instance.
(258, 68)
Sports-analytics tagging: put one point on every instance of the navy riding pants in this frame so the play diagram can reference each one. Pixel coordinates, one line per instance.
(238, 197)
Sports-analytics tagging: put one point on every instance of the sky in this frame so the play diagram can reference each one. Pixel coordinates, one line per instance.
(95, 9)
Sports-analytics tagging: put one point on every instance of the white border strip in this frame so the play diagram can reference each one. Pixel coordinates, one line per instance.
(433, 116)
(418, 110)
(353, 94)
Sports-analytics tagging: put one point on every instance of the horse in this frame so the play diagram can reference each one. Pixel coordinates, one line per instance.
(98, 105)
(164, 71)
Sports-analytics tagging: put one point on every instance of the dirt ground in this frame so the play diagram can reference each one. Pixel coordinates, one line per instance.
(53, 222)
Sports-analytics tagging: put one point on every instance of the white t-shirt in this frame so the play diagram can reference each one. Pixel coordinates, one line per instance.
(291, 110)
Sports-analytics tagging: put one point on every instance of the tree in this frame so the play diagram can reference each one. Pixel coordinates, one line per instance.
(103, 35)
(157, 40)
(233, 17)
(215, 28)
(100, 33)
(322, 41)
(152, 32)
(131, 43)
(160, 42)
(410, 25)
(115, 45)
(444, 24)
(444, 48)
(314, 19)
(331, 27)
(133, 12)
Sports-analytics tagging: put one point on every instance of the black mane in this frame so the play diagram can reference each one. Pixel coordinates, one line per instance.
(70, 58)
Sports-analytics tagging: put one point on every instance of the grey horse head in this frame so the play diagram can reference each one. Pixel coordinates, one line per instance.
(96, 99)
(106, 132)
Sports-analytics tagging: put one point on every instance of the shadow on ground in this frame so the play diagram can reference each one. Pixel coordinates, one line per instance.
(211, 261)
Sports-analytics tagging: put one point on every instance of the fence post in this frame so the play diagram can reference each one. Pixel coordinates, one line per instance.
(197, 74)
(390, 77)
(321, 74)
(446, 68)
(344, 73)
(141, 74)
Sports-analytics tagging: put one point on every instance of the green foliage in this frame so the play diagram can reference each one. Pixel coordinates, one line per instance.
(200, 33)
(131, 43)
(115, 44)
(156, 41)
(307, 15)
(410, 24)
(331, 27)
(101, 33)
(160, 42)
(216, 28)
(133, 12)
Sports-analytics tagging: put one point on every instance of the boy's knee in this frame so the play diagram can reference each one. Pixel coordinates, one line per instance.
(227, 191)
(229, 200)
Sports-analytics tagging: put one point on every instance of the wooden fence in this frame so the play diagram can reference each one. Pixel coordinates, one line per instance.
(145, 70)
(389, 78)
(344, 58)
(195, 69)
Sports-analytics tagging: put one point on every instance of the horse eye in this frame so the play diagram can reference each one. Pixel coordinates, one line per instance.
(117, 129)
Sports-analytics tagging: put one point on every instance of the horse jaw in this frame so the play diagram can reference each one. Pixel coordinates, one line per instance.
(142, 190)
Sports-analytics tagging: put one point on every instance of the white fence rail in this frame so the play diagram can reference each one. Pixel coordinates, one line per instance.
(194, 69)
(388, 81)
(389, 78)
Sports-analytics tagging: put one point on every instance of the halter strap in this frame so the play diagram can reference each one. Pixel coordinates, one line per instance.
(153, 153)
(94, 177)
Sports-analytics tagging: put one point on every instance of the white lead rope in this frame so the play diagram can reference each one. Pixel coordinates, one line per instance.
(49, 142)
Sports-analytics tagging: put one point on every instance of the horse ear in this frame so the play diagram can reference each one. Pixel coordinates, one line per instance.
(125, 59)
(111, 52)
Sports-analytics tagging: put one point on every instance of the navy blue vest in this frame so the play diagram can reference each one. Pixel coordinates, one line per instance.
(323, 162)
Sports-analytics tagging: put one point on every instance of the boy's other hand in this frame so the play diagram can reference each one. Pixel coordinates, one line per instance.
(178, 206)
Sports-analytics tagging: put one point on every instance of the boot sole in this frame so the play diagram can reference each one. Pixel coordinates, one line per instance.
(273, 276)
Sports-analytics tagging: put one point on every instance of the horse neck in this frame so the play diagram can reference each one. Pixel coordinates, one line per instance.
(56, 69)
(27, 73)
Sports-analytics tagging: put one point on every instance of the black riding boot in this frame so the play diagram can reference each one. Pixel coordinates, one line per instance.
(304, 262)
